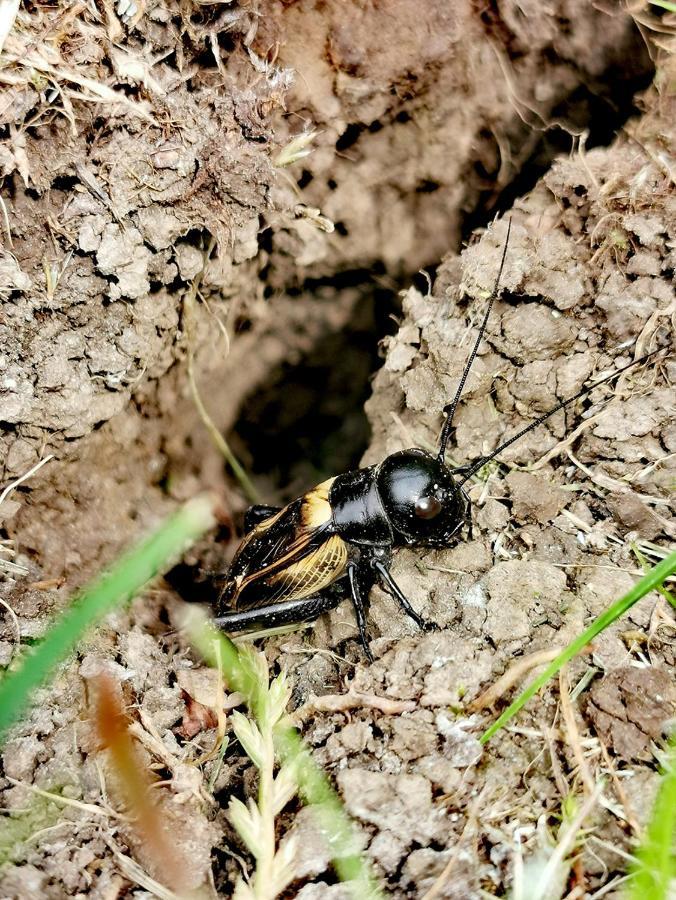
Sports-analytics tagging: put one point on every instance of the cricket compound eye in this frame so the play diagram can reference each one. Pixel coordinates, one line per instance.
(427, 507)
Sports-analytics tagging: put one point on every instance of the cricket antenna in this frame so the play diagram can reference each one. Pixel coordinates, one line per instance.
(450, 408)
(479, 463)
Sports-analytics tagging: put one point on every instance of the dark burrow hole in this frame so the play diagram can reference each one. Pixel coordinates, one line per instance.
(307, 422)
(349, 137)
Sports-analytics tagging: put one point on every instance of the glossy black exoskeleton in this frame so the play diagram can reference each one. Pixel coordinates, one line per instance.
(335, 541)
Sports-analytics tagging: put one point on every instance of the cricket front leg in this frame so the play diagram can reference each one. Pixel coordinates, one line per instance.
(380, 564)
(357, 576)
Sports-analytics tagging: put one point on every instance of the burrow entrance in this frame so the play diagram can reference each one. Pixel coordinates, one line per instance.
(307, 421)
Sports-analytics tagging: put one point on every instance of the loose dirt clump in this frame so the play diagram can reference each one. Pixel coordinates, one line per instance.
(629, 709)
(435, 108)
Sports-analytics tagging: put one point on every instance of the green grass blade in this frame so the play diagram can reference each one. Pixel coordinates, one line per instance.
(664, 4)
(120, 584)
(668, 596)
(650, 581)
(654, 873)
(218, 650)
(317, 791)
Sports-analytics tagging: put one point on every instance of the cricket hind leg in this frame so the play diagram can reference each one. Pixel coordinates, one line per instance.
(360, 578)
(287, 612)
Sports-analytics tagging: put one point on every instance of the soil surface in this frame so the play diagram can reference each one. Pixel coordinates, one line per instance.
(146, 152)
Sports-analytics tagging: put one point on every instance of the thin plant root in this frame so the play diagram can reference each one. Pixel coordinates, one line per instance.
(353, 700)
(514, 674)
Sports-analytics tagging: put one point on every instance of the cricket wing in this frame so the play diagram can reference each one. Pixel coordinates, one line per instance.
(287, 556)
(317, 570)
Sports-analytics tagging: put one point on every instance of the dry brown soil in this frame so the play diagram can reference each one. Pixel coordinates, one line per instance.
(129, 148)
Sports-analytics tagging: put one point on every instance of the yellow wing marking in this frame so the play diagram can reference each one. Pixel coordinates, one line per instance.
(316, 509)
(314, 572)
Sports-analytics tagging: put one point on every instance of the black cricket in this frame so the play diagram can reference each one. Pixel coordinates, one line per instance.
(299, 561)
